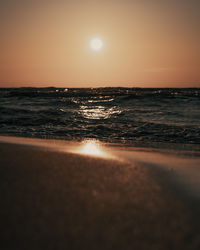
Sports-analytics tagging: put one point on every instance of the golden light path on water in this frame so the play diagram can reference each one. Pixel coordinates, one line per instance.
(98, 112)
(92, 147)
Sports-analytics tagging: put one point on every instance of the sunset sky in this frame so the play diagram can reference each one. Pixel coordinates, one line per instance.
(145, 43)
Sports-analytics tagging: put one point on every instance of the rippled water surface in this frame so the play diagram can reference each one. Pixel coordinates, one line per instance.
(120, 115)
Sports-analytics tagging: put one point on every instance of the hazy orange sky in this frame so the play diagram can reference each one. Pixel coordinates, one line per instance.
(147, 43)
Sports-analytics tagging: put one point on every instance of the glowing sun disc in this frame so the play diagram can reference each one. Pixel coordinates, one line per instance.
(96, 44)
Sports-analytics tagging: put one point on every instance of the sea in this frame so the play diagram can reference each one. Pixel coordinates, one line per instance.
(143, 117)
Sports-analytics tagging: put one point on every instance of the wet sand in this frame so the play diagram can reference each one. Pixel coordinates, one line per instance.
(61, 200)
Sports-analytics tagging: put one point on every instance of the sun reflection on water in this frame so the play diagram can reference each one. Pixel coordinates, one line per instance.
(98, 112)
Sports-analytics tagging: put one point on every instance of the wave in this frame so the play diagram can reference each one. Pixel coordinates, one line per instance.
(124, 115)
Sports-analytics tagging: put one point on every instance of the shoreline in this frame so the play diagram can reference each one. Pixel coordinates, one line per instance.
(157, 146)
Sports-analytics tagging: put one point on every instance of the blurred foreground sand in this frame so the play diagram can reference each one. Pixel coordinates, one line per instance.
(62, 200)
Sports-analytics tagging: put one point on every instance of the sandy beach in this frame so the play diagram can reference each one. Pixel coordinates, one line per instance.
(51, 199)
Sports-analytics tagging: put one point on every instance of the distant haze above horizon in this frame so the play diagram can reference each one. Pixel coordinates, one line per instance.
(90, 43)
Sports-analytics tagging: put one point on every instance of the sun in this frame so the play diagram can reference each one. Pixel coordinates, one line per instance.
(96, 44)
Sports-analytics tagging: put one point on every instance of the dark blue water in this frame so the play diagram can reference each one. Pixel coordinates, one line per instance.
(120, 115)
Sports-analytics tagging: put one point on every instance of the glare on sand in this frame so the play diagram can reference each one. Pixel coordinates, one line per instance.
(93, 148)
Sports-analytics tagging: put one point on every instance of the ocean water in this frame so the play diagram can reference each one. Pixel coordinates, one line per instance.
(129, 116)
